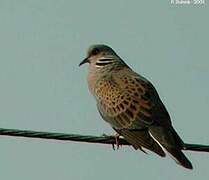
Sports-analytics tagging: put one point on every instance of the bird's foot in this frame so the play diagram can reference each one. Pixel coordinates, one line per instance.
(116, 143)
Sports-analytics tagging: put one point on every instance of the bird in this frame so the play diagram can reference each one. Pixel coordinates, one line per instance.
(132, 106)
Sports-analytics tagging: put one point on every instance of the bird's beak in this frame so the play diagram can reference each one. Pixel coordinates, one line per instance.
(86, 60)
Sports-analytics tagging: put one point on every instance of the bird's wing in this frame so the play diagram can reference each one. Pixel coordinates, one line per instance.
(127, 103)
(127, 100)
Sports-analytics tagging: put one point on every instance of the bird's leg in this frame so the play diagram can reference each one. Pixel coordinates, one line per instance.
(116, 135)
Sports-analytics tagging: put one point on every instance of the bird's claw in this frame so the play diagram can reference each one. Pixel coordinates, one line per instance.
(115, 145)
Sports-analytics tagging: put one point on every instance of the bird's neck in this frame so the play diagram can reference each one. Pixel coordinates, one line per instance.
(94, 75)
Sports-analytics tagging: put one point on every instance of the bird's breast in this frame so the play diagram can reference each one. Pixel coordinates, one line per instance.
(91, 79)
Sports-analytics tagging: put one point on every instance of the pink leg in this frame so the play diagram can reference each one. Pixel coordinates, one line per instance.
(116, 141)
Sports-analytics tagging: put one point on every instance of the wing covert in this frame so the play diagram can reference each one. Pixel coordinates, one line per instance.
(126, 101)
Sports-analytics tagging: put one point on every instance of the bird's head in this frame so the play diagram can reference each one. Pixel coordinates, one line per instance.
(102, 57)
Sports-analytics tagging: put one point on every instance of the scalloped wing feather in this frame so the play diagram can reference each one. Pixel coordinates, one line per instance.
(123, 102)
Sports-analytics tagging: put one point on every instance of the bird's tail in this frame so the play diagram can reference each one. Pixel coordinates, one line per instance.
(179, 157)
(169, 140)
(196, 147)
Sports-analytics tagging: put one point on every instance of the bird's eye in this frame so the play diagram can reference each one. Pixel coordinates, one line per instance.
(95, 51)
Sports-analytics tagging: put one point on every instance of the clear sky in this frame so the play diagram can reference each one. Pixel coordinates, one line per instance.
(42, 87)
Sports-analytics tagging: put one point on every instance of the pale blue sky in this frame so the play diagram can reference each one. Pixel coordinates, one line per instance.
(42, 87)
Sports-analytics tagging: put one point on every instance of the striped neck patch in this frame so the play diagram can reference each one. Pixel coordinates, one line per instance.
(104, 61)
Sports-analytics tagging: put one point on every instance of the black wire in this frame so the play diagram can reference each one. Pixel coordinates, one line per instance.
(62, 136)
